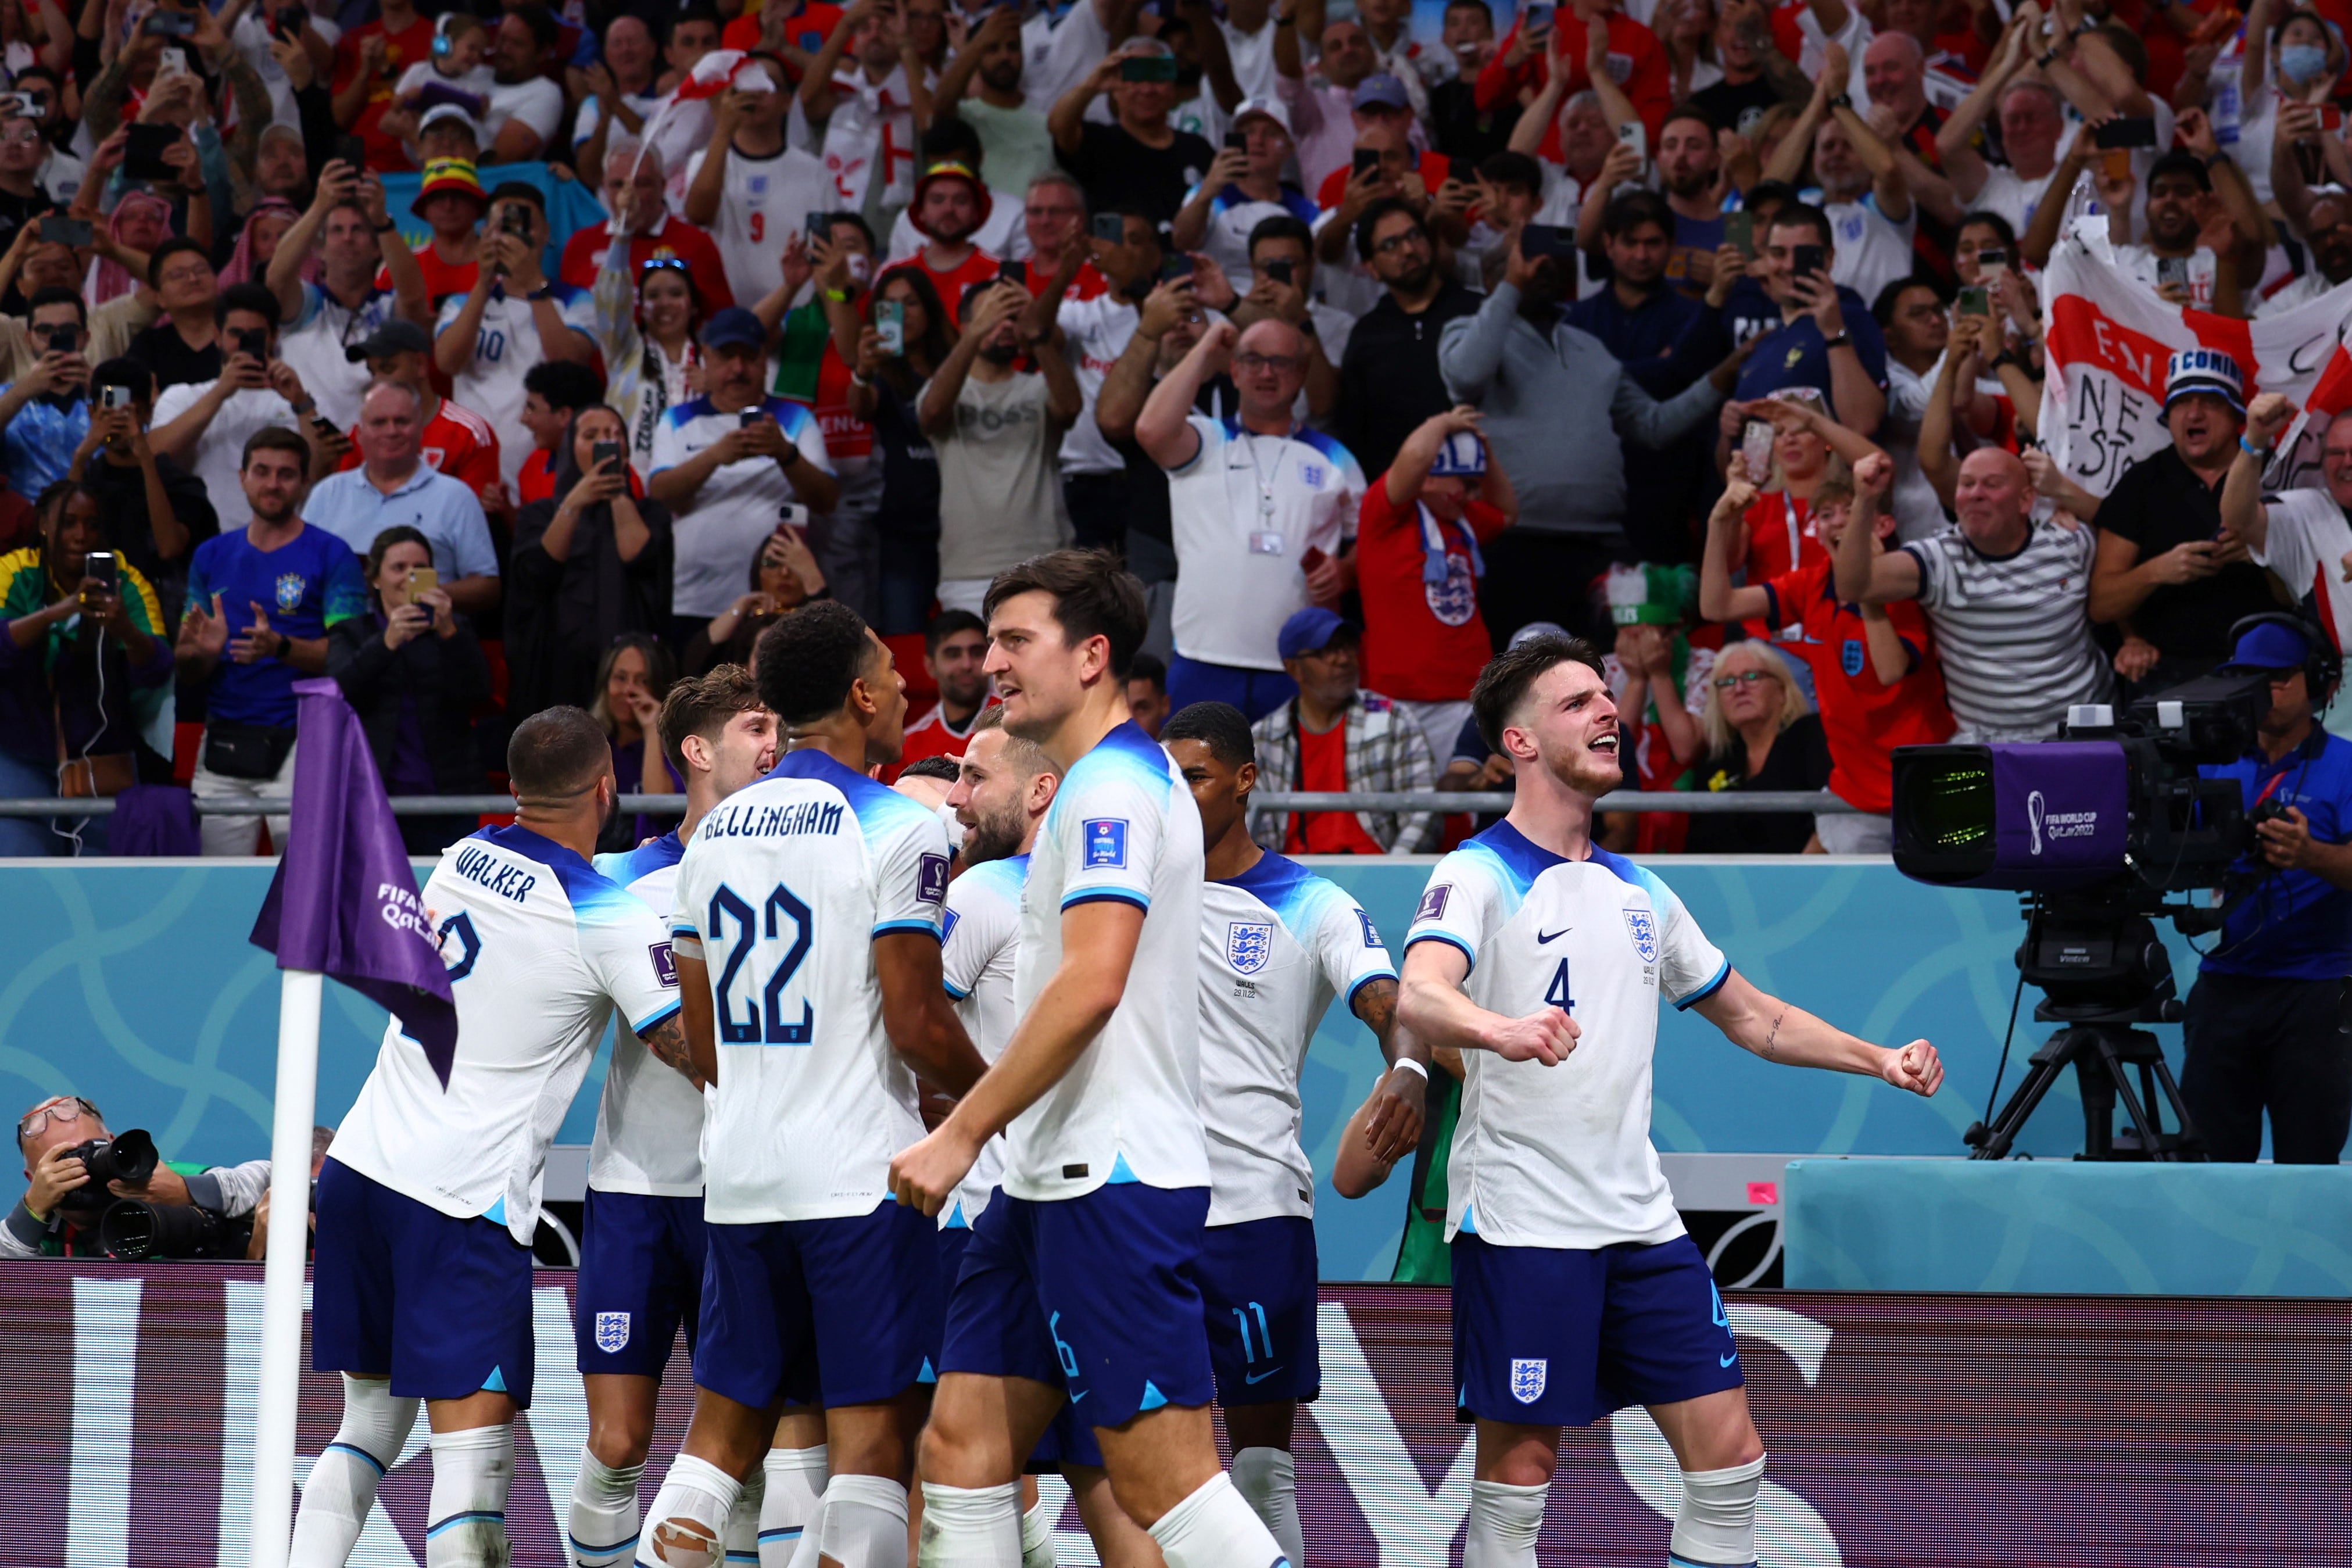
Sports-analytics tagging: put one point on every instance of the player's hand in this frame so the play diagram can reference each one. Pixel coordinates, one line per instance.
(58, 1174)
(1916, 1068)
(1393, 1130)
(924, 1175)
(1547, 1037)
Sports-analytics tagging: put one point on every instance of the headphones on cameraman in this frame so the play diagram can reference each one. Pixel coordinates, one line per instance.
(2323, 665)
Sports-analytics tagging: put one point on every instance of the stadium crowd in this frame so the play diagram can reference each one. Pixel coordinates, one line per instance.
(1715, 332)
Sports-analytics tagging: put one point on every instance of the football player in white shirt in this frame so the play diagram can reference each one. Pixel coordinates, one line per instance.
(429, 1197)
(1277, 944)
(641, 1243)
(1542, 957)
(1078, 1287)
(807, 933)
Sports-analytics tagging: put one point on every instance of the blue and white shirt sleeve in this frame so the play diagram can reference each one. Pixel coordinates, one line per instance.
(910, 875)
(668, 450)
(686, 905)
(469, 539)
(1349, 947)
(1690, 968)
(628, 951)
(1213, 440)
(1114, 829)
(978, 923)
(1461, 907)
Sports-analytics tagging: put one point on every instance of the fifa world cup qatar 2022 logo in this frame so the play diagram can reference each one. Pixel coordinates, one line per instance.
(2041, 822)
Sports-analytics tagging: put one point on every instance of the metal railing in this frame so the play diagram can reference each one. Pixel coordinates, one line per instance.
(1727, 802)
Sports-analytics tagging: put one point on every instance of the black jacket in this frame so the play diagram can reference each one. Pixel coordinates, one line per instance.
(447, 677)
(1388, 378)
(560, 616)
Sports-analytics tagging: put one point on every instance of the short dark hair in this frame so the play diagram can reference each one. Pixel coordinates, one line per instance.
(398, 533)
(1995, 222)
(1220, 726)
(951, 140)
(279, 439)
(178, 244)
(1687, 110)
(703, 705)
(1804, 214)
(1502, 684)
(854, 220)
(565, 385)
(2179, 161)
(56, 295)
(1281, 225)
(938, 767)
(701, 11)
(557, 752)
(1387, 206)
(1093, 596)
(1881, 309)
(123, 371)
(253, 299)
(1511, 169)
(519, 190)
(1148, 667)
(1479, 5)
(1628, 212)
(541, 22)
(808, 660)
(1768, 193)
(947, 623)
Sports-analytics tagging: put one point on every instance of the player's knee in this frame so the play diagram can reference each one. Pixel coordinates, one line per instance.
(620, 1443)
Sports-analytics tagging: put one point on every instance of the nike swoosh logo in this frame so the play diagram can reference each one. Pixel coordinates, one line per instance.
(1545, 936)
(1074, 1398)
(1256, 1377)
(1730, 1360)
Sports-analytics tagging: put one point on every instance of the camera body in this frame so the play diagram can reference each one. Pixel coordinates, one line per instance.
(127, 1157)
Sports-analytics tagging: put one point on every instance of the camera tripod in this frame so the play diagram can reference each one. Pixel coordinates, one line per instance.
(2102, 971)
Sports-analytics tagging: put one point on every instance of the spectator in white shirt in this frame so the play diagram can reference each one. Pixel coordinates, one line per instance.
(1863, 190)
(204, 425)
(622, 83)
(349, 234)
(864, 116)
(750, 190)
(526, 109)
(513, 318)
(1241, 189)
(2033, 122)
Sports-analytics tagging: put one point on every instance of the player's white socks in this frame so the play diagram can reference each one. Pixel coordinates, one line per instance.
(971, 1527)
(686, 1526)
(743, 1521)
(1504, 1522)
(1215, 1528)
(341, 1488)
(602, 1528)
(864, 1523)
(795, 1483)
(466, 1520)
(1037, 1527)
(1267, 1479)
(1717, 1527)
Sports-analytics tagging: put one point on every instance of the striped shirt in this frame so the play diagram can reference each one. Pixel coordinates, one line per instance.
(2013, 630)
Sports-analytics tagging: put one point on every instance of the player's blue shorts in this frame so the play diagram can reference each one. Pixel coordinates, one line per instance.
(1068, 1441)
(441, 1305)
(1096, 1294)
(836, 1311)
(1257, 1298)
(1550, 1336)
(640, 1276)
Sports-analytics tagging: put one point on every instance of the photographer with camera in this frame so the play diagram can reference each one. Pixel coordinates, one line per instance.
(2264, 1029)
(72, 1162)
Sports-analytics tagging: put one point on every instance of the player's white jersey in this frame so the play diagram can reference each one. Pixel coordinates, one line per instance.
(1277, 942)
(650, 1118)
(765, 203)
(1122, 826)
(982, 936)
(1560, 1156)
(781, 895)
(540, 949)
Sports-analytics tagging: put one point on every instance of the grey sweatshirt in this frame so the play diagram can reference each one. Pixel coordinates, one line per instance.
(1556, 411)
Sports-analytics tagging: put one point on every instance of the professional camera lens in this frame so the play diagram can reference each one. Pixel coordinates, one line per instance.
(128, 1158)
(1952, 809)
(132, 1231)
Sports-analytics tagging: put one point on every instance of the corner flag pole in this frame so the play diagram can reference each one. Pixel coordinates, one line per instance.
(272, 1518)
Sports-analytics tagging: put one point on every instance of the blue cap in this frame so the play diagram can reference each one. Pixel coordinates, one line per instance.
(734, 326)
(1383, 88)
(2269, 645)
(1463, 455)
(1310, 630)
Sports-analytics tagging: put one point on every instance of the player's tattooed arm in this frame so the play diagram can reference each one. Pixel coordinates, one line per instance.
(666, 1041)
(1392, 1128)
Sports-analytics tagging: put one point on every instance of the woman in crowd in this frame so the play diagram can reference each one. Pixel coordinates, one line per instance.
(1761, 734)
(636, 675)
(785, 576)
(884, 395)
(83, 663)
(256, 242)
(1686, 28)
(591, 565)
(412, 671)
(646, 333)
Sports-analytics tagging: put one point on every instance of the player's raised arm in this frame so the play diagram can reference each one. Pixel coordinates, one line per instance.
(1393, 1116)
(1782, 1032)
(920, 1016)
(1433, 1007)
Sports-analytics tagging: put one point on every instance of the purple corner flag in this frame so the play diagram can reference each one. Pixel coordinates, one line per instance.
(344, 900)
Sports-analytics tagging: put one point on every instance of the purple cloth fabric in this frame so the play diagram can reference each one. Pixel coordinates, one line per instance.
(154, 819)
(344, 900)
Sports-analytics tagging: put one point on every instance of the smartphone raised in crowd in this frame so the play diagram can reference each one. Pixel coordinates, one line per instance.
(65, 339)
(1739, 233)
(1535, 19)
(890, 326)
(1175, 265)
(142, 152)
(253, 341)
(99, 567)
(1147, 68)
(1636, 135)
(1110, 228)
(2128, 132)
(604, 454)
(1806, 259)
(1014, 272)
(1365, 158)
(2172, 269)
(1975, 302)
(73, 231)
(422, 580)
(1281, 269)
(1236, 142)
(1540, 239)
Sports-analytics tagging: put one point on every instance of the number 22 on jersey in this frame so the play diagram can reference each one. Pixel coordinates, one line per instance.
(783, 919)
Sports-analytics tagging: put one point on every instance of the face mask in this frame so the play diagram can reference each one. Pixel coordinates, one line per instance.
(2303, 62)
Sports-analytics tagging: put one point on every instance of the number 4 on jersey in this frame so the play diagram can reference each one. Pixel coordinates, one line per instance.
(1558, 995)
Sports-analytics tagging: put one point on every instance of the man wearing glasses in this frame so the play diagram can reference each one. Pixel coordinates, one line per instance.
(1389, 382)
(51, 1221)
(22, 150)
(1261, 509)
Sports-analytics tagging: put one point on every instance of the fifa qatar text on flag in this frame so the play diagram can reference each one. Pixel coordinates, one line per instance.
(2110, 339)
(344, 901)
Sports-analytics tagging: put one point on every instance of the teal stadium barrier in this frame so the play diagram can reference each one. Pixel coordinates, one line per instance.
(132, 982)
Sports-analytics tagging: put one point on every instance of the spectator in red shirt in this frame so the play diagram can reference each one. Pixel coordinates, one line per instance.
(1873, 668)
(451, 203)
(638, 185)
(368, 60)
(552, 394)
(1637, 62)
(1781, 532)
(951, 204)
(955, 647)
(1418, 565)
(1335, 736)
(1383, 117)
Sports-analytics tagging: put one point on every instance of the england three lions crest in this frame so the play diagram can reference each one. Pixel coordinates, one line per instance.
(1248, 946)
(611, 1331)
(1643, 926)
(1527, 1379)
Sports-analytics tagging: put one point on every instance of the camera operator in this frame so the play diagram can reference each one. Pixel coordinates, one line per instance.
(49, 1222)
(2265, 1020)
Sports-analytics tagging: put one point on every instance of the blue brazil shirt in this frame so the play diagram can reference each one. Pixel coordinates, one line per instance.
(2293, 925)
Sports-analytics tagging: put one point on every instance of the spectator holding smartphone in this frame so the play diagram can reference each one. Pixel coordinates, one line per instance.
(45, 412)
(1139, 156)
(1827, 338)
(204, 425)
(591, 564)
(185, 346)
(785, 577)
(411, 669)
(155, 513)
(512, 317)
(891, 373)
(324, 275)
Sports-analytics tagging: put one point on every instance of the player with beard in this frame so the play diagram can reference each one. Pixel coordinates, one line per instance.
(950, 203)
(1576, 1290)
